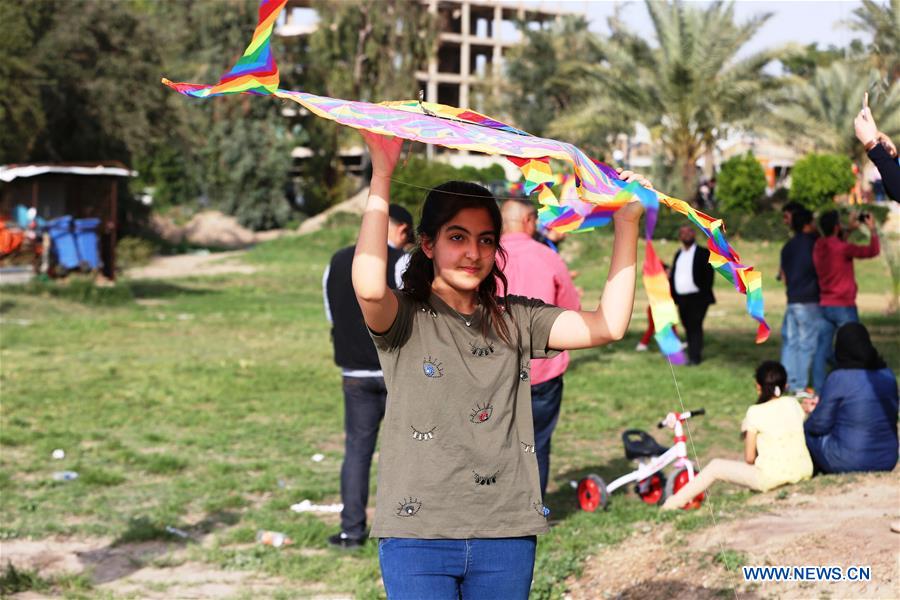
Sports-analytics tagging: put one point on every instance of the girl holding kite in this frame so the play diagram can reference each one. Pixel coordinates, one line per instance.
(459, 499)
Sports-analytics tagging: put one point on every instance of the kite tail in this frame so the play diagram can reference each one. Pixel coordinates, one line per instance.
(725, 260)
(255, 72)
(662, 307)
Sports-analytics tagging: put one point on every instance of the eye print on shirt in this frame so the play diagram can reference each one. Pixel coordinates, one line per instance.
(481, 350)
(408, 507)
(527, 448)
(423, 436)
(432, 368)
(481, 413)
(524, 371)
(486, 479)
(540, 509)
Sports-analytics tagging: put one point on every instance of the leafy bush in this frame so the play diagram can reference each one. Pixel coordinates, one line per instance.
(765, 225)
(741, 183)
(417, 176)
(134, 252)
(817, 178)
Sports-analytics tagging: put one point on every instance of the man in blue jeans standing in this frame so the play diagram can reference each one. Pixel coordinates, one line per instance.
(802, 318)
(365, 395)
(534, 270)
(833, 258)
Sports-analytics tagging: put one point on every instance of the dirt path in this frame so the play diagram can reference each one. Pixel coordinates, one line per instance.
(192, 265)
(146, 570)
(844, 526)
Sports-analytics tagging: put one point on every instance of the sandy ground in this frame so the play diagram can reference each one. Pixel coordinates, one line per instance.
(192, 265)
(151, 570)
(847, 526)
(844, 526)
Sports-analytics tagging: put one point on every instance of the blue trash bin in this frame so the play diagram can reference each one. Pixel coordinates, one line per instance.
(86, 240)
(63, 242)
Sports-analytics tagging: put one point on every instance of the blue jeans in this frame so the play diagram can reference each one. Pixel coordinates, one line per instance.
(546, 398)
(832, 318)
(800, 335)
(451, 569)
(365, 399)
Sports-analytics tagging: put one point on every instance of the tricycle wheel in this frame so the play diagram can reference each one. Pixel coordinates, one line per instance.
(592, 493)
(653, 489)
(680, 479)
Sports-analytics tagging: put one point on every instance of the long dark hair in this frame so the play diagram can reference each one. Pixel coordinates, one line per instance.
(772, 379)
(441, 205)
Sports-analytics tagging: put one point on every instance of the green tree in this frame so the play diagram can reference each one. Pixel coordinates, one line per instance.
(361, 50)
(689, 90)
(817, 178)
(250, 159)
(21, 113)
(543, 72)
(882, 21)
(804, 62)
(97, 60)
(741, 183)
(817, 114)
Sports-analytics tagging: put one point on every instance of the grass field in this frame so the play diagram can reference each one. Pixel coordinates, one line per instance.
(197, 403)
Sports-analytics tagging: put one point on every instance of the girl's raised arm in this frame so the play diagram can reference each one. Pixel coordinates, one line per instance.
(369, 274)
(609, 322)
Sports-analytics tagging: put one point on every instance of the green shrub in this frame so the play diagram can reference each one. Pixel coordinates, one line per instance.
(817, 178)
(134, 252)
(741, 183)
(764, 225)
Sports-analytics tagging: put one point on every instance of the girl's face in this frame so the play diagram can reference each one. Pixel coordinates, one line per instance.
(463, 251)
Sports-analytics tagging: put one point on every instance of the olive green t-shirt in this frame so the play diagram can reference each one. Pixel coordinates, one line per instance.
(457, 449)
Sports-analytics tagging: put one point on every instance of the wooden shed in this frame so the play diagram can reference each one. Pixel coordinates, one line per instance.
(80, 190)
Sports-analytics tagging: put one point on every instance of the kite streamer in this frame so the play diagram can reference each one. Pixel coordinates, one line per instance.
(599, 191)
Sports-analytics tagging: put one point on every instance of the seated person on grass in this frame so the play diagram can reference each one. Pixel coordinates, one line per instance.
(854, 425)
(774, 449)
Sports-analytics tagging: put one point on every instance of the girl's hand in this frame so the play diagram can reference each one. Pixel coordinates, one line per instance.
(865, 127)
(385, 151)
(630, 213)
(629, 176)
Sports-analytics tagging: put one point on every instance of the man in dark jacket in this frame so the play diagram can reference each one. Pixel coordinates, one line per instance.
(365, 394)
(691, 282)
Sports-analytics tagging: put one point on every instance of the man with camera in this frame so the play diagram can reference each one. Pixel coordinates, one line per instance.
(833, 258)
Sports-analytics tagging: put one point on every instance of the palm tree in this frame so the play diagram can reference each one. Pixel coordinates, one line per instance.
(542, 73)
(817, 114)
(882, 21)
(688, 90)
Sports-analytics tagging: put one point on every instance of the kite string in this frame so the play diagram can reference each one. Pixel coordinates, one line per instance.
(708, 503)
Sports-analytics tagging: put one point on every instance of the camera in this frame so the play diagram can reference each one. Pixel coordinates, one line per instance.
(863, 216)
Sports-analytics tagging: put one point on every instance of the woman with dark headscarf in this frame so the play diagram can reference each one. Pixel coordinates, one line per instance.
(854, 425)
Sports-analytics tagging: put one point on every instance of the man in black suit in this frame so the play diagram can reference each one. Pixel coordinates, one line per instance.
(691, 282)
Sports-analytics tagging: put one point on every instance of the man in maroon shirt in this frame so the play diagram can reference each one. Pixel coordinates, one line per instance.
(833, 259)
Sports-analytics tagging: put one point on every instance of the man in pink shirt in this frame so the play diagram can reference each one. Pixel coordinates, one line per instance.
(833, 259)
(536, 271)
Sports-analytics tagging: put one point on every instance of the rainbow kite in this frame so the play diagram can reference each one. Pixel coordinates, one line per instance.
(599, 190)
